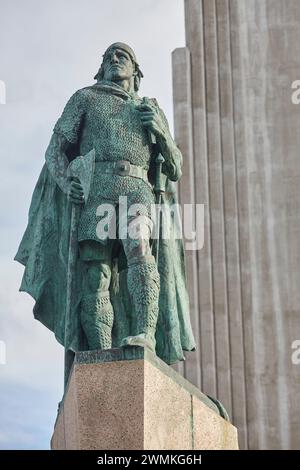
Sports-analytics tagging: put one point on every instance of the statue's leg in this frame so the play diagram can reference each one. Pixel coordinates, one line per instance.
(143, 284)
(96, 309)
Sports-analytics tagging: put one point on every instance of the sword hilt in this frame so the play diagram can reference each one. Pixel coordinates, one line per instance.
(159, 184)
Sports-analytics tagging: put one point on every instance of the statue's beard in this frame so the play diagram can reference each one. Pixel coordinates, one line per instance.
(117, 75)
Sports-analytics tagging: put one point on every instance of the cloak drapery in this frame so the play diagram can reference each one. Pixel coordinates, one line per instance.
(44, 253)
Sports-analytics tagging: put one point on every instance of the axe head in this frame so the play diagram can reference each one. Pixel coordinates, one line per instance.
(83, 167)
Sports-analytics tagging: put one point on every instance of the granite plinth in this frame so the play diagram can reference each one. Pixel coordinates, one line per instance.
(128, 399)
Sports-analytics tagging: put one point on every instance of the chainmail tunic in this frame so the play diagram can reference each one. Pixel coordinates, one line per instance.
(104, 117)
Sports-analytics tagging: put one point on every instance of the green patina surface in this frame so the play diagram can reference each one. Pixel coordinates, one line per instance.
(101, 294)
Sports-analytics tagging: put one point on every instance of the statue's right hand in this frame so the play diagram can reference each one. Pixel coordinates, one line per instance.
(75, 191)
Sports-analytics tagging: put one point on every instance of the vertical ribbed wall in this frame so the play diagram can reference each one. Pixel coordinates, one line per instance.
(239, 134)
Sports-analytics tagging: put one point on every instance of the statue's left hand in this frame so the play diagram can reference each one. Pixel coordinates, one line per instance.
(75, 191)
(152, 119)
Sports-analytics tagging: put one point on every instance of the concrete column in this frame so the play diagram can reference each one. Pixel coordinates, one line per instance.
(239, 133)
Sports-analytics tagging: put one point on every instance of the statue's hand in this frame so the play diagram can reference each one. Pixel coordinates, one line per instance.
(152, 119)
(75, 191)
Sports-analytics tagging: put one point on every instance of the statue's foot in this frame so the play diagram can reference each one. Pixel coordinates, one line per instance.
(139, 340)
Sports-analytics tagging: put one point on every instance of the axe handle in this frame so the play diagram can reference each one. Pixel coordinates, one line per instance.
(72, 257)
(81, 167)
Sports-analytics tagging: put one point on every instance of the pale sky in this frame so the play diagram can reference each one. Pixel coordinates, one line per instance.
(49, 49)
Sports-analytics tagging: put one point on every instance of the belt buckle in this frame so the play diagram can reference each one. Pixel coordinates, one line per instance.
(122, 168)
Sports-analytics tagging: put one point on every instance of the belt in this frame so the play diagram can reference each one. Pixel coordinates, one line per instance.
(123, 168)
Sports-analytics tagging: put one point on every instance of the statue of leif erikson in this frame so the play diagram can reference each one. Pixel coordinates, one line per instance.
(99, 276)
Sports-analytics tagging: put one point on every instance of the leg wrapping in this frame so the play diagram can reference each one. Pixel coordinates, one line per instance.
(97, 319)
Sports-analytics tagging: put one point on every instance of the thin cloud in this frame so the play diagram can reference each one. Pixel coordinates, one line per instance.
(49, 50)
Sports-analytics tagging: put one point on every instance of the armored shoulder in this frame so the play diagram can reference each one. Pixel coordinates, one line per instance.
(155, 103)
(72, 116)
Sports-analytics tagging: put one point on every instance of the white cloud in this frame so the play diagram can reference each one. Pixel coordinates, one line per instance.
(48, 50)
(7, 437)
(33, 357)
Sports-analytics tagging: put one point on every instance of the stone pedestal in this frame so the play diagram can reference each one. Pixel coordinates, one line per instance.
(128, 399)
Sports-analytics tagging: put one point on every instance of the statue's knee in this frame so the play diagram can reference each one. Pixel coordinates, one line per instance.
(137, 249)
(140, 228)
(137, 244)
(97, 277)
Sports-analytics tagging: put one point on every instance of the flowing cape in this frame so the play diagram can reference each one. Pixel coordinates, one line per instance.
(44, 253)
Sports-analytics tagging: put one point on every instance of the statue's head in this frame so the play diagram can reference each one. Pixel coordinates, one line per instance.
(119, 63)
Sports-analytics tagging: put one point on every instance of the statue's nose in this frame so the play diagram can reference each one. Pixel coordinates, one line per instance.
(114, 59)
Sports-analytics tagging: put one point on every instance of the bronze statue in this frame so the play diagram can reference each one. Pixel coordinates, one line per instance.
(118, 294)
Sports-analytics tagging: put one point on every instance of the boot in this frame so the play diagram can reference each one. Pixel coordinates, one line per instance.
(143, 286)
(97, 320)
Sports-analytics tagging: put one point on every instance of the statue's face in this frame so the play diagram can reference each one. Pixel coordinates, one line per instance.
(118, 65)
